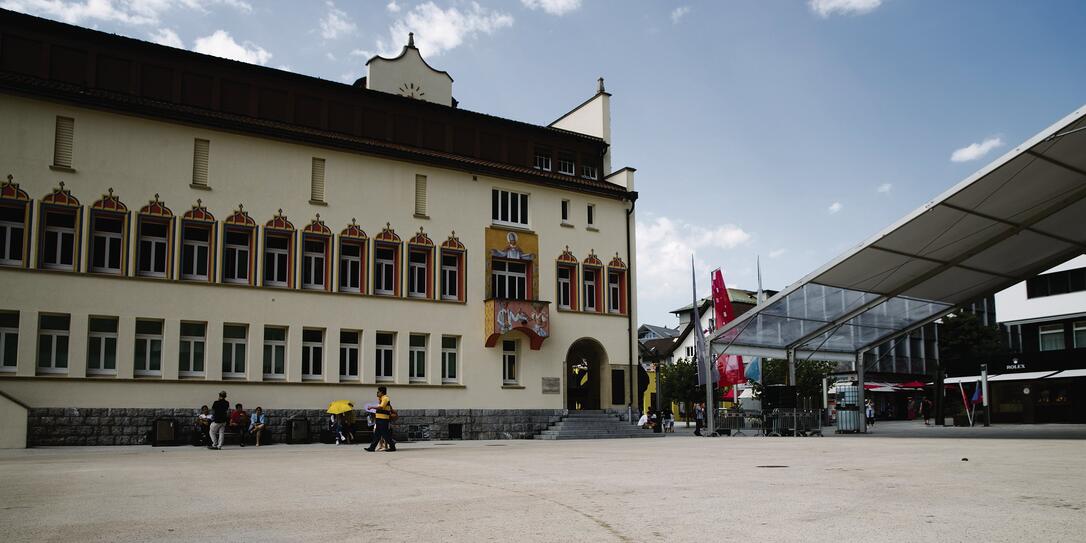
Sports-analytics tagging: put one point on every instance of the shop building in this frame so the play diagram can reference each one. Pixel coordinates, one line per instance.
(175, 224)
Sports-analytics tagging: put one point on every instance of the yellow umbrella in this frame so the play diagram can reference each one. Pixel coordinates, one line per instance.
(340, 406)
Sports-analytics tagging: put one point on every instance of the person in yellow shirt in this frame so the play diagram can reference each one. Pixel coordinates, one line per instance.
(382, 418)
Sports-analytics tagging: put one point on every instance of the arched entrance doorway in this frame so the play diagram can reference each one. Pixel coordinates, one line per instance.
(585, 362)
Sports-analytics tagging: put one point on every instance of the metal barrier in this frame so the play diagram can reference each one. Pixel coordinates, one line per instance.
(778, 422)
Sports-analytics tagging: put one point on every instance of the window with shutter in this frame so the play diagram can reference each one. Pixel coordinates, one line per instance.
(317, 186)
(62, 145)
(420, 196)
(200, 150)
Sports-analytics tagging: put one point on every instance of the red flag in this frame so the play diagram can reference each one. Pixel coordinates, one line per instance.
(730, 367)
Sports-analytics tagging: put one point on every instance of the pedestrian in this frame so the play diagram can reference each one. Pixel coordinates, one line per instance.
(669, 421)
(219, 417)
(925, 410)
(869, 412)
(383, 417)
(699, 417)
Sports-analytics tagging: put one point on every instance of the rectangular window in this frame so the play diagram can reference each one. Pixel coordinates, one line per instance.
(53, 343)
(543, 160)
(348, 354)
(196, 252)
(416, 353)
(312, 353)
(690, 352)
(450, 275)
(190, 361)
(565, 211)
(509, 362)
(107, 242)
(275, 352)
(508, 280)
(565, 287)
(102, 346)
(58, 245)
(12, 234)
(233, 350)
(1055, 283)
(236, 250)
(1051, 337)
(565, 166)
(9, 340)
(350, 267)
(420, 195)
(384, 271)
(200, 151)
(1079, 334)
(614, 292)
(62, 142)
(591, 294)
(316, 186)
(148, 358)
(509, 207)
(589, 172)
(314, 256)
(277, 266)
(450, 350)
(591, 211)
(153, 248)
(418, 273)
(385, 346)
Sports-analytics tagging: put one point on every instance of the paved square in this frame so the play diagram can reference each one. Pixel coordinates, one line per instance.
(674, 489)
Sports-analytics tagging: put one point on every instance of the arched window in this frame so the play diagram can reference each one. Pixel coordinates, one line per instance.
(420, 265)
(616, 286)
(352, 259)
(453, 279)
(197, 243)
(279, 252)
(239, 239)
(592, 283)
(154, 253)
(566, 273)
(60, 227)
(109, 234)
(14, 226)
(386, 262)
(316, 255)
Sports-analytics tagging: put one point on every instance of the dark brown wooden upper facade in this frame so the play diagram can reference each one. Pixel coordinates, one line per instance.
(47, 59)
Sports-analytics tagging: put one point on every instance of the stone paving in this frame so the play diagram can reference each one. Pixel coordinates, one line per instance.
(886, 486)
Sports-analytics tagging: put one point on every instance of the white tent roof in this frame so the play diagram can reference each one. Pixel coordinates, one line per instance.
(1024, 376)
(1067, 374)
(1013, 219)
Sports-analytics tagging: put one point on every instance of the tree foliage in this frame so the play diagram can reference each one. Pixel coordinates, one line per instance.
(678, 382)
(965, 343)
(809, 375)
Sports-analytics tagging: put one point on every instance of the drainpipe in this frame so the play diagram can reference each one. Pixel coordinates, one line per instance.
(631, 373)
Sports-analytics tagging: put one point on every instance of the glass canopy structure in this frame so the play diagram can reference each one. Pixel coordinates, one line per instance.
(1018, 216)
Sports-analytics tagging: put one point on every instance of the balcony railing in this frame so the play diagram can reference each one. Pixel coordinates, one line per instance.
(529, 317)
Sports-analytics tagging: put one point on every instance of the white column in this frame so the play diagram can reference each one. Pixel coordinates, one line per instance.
(213, 350)
(126, 346)
(293, 361)
(331, 355)
(26, 364)
(77, 345)
(171, 347)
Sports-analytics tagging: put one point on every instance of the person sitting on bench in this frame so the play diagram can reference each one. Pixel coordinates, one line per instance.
(257, 424)
(202, 425)
(239, 422)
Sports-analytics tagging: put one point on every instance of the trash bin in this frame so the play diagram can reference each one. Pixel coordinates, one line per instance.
(298, 431)
(163, 432)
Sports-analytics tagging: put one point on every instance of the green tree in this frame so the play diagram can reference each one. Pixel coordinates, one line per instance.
(678, 382)
(965, 343)
(809, 375)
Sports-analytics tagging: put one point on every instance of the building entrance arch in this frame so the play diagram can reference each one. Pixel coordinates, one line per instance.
(585, 363)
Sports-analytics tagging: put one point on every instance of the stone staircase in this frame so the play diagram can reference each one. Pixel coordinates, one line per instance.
(593, 425)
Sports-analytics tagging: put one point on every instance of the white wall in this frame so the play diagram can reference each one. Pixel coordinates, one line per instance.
(1012, 304)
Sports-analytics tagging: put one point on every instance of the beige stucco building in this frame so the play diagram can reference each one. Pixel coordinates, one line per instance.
(176, 224)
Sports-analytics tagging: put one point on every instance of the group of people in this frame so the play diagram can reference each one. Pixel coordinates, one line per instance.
(658, 421)
(212, 424)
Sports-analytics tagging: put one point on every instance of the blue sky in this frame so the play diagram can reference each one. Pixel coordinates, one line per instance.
(789, 129)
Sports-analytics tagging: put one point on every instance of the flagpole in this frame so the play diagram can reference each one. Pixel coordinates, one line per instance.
(700, 339)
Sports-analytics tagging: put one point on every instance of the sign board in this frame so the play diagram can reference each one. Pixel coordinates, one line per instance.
(552, 385)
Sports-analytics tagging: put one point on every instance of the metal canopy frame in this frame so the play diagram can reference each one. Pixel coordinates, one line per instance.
(1012, 219)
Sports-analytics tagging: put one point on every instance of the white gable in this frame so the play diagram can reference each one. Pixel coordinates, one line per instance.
(409, 75)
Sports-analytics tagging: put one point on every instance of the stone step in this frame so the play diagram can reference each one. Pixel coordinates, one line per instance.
(598, 436)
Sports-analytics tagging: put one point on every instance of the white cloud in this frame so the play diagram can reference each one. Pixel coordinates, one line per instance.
(825, 8)
(438, 30)
(678, 13)
(834, 207)
(361, 53)
(129, 12)
(885, 188)
(221, 44)
(974, 151)
(336, 23)
(554, 7)
(664, 247)
(166, 36)
(777, 253)
(393, 7)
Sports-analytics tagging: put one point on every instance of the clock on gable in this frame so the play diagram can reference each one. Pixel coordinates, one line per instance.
(411, 90)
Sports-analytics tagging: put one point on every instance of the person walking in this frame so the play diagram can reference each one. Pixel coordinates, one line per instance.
(869, 412)
(925, 410)
(699, 418)
(219, 418)
(382, 418)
